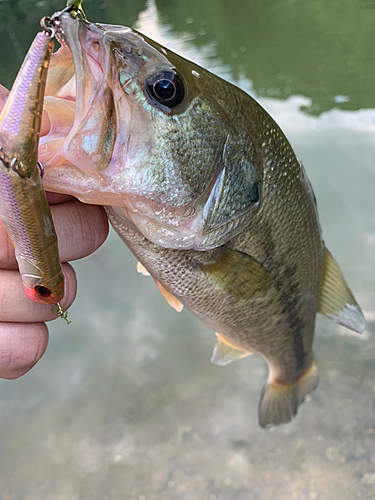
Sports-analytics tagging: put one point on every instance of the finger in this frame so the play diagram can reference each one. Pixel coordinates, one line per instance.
(21, 346)
(80, 228)
(15, 305)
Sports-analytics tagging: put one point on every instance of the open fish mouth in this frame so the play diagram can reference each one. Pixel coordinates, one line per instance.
(79, 127)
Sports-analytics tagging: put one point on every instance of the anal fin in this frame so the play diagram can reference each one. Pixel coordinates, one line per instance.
(336, 299)
(280, 399)
(172, 301)
(225, 352)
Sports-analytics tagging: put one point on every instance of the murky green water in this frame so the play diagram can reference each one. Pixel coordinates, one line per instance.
(125, 404)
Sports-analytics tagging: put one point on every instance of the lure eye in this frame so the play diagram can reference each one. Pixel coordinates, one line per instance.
(42, 291)
(166, 88)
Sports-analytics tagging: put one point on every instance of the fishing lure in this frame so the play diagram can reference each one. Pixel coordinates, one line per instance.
(24, 209)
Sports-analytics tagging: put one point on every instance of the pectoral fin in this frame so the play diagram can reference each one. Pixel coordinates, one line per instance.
(239, 274)
(225, 352)
(336, 300)
(142, 270)
(172, 301)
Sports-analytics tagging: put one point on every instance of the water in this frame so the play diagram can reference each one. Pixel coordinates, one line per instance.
(125, 404)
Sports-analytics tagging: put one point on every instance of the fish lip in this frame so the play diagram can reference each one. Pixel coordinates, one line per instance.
(66, 24)
(81, 37)
(89, 58)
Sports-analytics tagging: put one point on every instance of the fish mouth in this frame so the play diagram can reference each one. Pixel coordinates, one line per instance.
(78, 131)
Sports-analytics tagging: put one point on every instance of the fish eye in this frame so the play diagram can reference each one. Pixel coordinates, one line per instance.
(166, 88)
(42, 291)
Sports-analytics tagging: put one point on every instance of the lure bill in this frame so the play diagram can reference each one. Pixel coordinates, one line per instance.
(24, 209)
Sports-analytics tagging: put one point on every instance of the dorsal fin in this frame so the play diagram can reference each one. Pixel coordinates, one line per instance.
(225, 352)
(336, 300)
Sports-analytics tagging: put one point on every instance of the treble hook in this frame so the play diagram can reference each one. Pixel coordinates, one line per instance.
(41, 169)
(60, 312)
(14, 164)
(73, 8)
(2, 157)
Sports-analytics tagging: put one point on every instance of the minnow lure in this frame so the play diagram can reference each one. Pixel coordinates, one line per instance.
(24, 209)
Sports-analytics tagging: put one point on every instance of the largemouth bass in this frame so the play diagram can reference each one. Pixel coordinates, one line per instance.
(24, 209)
(206, 191)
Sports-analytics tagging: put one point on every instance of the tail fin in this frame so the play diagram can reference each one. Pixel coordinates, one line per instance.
(280, 400)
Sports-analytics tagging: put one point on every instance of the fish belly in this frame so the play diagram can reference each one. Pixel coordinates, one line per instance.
(278, 324)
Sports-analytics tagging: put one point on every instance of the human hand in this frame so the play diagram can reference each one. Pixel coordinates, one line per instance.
(81, 229)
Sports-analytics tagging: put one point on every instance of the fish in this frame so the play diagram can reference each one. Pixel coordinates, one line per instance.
(205, 190)
(24, 209)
